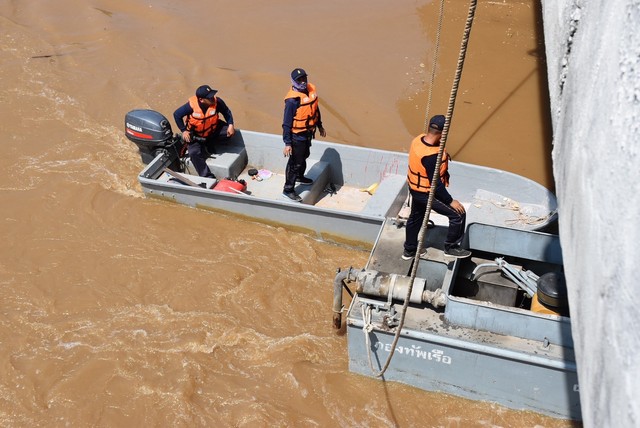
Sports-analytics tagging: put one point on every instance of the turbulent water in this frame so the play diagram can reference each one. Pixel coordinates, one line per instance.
(117, 310)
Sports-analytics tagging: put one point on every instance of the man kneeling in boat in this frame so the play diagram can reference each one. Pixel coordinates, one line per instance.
(422, 164)
(201, 126)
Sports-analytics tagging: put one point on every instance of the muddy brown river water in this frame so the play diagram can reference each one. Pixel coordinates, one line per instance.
(119, 311)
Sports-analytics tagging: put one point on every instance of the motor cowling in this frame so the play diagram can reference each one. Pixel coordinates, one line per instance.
(151, 132)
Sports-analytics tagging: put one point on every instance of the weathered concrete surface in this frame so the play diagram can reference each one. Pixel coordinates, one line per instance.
(593, 53)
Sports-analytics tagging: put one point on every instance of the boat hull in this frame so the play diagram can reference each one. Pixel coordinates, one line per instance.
(329, 225)
(444, 363)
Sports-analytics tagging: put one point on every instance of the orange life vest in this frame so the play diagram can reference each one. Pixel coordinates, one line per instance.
(306, 117)
(417, 175)
(199, 122)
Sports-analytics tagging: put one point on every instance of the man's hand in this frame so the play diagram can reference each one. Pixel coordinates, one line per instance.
(457, 206)
(287, 151)
(323, 133)
(230, 131)
(186, 136)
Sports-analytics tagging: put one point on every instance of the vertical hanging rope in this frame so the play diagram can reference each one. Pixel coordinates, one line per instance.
(433, 66)
(447, 122)
(434, 184)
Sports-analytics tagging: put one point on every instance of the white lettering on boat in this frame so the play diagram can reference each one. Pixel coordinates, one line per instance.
(436, 355)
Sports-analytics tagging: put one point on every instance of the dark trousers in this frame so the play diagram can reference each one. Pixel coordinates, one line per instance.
(297, 164)
(418, 211)
(201, 150)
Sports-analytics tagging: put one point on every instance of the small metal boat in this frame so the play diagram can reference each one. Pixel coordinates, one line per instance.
(355, 188)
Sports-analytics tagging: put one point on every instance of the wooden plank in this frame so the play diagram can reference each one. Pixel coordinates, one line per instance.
(181, 178)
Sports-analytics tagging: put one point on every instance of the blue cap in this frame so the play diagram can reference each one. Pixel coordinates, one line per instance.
(298, 73)
(437, 122)
(205, 91)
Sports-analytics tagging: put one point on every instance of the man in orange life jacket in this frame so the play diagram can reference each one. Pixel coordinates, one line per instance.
(200, 118)
(422, 164)
(301, 118)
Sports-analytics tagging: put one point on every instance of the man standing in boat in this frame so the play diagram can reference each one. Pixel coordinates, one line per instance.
(201, 126)
(301, 118)
(422, 164)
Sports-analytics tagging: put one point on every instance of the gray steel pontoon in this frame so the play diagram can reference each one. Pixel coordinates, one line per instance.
(474, 327)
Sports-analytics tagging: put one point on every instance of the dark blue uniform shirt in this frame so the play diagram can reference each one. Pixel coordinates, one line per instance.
(186, 110)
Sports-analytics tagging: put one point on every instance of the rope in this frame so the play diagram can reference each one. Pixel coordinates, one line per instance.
(436, 180)
(433, 66)
(367, 328)
(521, 216)
(529, 220)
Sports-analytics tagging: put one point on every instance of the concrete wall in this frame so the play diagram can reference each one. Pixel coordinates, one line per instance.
(593, 54)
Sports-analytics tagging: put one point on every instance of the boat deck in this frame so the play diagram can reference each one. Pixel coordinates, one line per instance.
(387, 252)
(321, 194)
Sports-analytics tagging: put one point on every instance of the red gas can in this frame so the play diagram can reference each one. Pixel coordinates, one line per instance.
(230, 186)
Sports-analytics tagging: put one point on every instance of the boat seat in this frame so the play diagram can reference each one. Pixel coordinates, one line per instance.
(229, 162)
(382, 200)
(319, 172)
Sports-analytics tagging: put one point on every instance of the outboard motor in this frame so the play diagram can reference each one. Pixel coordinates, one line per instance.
(152, 133)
